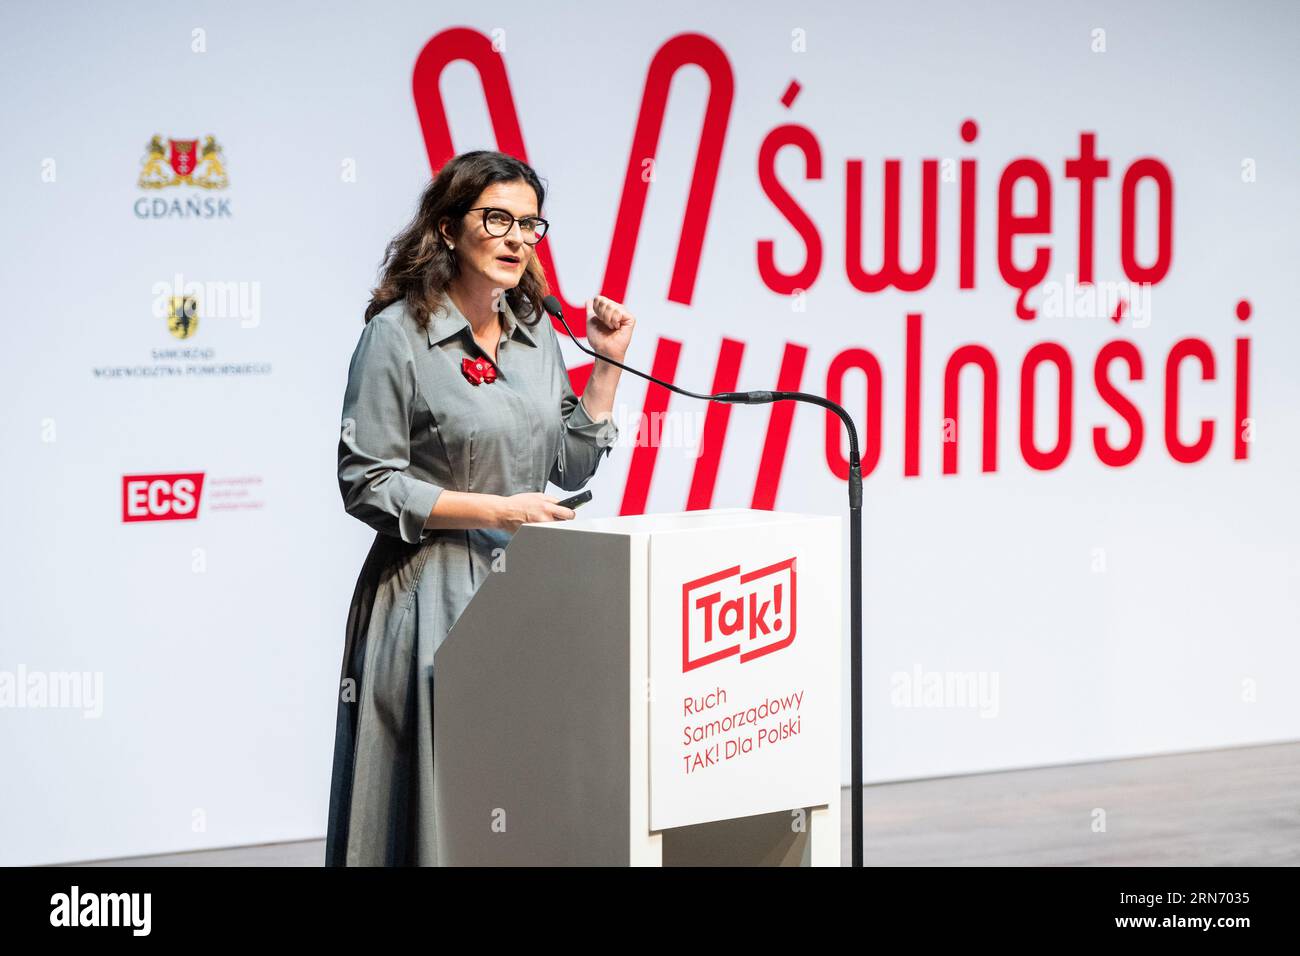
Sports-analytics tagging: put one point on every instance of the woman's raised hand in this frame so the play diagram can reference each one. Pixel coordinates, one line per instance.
(609, 327)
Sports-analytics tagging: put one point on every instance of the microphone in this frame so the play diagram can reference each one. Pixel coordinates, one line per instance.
(552, 305)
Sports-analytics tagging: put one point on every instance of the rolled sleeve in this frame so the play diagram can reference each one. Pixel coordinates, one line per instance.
(375, 438)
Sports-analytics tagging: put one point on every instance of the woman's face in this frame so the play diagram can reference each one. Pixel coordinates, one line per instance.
(497, 260)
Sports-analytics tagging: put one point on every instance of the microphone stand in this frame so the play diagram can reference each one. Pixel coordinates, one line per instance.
(552, 306)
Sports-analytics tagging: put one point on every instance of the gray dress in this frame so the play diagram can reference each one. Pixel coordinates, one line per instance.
(413, 424)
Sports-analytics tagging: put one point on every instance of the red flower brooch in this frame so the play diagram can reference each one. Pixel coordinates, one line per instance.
(478, 370)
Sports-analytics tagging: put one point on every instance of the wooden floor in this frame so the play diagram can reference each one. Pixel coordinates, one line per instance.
(1214, 808)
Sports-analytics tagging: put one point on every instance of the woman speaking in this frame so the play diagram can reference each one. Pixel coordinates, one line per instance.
(458, 411)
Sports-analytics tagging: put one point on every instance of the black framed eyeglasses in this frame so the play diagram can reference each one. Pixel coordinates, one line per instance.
(499, 222)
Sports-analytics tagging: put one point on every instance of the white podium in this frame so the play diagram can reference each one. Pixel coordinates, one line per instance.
(658, 690)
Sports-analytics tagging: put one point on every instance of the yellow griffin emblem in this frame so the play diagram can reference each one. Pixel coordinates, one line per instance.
(183, 316)
(181, 162)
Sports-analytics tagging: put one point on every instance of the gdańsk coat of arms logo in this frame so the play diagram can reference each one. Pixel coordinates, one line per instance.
(183, 162)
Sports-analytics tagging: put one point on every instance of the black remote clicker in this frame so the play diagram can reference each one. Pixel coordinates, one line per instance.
(581, 498)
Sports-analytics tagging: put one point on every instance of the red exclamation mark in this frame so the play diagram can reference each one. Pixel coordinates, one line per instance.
(776, 609)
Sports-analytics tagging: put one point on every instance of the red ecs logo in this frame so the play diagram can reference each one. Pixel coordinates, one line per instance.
(161, 497)
(728, 613)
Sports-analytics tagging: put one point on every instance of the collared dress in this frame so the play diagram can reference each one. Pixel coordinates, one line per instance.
(414, 425)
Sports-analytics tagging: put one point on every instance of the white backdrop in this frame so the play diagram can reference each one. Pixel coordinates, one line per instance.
(1096, 611)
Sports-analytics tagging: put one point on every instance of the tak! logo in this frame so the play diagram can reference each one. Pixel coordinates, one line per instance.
(161, 497)
(728, 613)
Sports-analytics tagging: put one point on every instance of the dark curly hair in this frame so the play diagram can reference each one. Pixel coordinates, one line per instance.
(417, 264)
